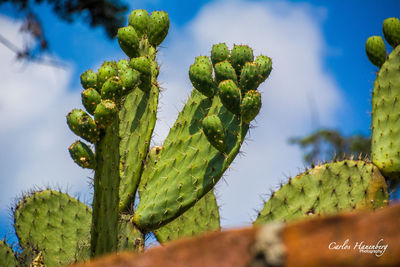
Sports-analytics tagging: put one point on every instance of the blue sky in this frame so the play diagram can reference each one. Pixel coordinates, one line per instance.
(319, 61)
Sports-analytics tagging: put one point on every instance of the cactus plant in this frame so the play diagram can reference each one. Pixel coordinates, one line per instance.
(175, 182)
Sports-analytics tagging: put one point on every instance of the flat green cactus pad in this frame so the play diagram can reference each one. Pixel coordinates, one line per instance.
(327, 189)
(54, 223)
(385, 115)
(201, 218)
(7, 256)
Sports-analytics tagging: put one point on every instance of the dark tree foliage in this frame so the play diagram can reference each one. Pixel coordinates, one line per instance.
(325, 144)
(105, 13)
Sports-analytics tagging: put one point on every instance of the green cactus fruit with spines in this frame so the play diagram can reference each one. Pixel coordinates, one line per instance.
(107, 70)
(201, 77)
(249, 77)
(224, 71)
(230, 96)
(376, 51)
(141, 64)
(203, 217)
(204, 60)
(105, 113)
(90, 99)
(136, 129)
(187, 153)
(214, 131)
(385, 149)
(264, 64)
(83, 125)
(122, 65)
(89, 79)
(391, 31)
(130, 78)
(128, 40)
(7, 256)
(82, 155)
(158, 27)
(129, 237)
(251, 105)
(53, 223)
(112, 89)
(240, 54)
(104, 231)
(219, 52)
(139, 19)
(327, 189)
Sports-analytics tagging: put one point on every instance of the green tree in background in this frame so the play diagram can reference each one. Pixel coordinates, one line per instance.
(326, 144)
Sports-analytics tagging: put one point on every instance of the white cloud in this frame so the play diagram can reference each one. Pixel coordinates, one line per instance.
(291, 35)
(34, 136)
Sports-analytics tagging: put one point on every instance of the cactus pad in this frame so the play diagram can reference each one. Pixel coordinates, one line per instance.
(385, 113)
(201, 218)
(7, 257)
(327, 189)
(54, 223)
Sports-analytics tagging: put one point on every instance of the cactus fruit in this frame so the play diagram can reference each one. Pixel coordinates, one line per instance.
(158, 27)
(128, 40)
(107, 70)
(376, 51)
(240, 55)
(90, 99)
(327, 189)
(82, 155)
(230, 97)
(139, 19)
(251, 105)
(224, 71)
(214, 131)
(83, 125)
(219, 52)
(200, 75)
(7, 256)
(391, 31)
(53, 223)
(89, 79)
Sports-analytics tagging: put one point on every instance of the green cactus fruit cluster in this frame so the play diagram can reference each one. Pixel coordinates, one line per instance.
(327, 189)
(82, 155)
(7, 256)
(203, 141)
(203, 217)
(54, 224)
(376, 51)
(391, 31)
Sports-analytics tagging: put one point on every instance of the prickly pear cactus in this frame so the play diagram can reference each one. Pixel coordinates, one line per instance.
(386, 107)
(205, 138)
(7, 256)
(327, 189)
(52, 223)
